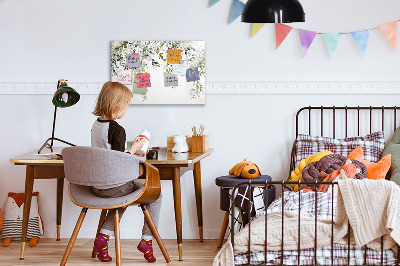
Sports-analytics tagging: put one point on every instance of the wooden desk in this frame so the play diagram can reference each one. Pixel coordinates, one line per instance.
(171, 167)
(40, 167)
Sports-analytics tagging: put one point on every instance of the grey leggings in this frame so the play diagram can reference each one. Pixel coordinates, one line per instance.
(154, 208)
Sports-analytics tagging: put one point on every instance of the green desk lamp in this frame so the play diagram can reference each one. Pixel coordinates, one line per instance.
(65, 96)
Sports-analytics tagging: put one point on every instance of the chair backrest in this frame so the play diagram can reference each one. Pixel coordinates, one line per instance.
(92, 166)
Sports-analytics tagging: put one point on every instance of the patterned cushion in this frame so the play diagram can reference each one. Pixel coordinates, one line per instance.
(372, 144)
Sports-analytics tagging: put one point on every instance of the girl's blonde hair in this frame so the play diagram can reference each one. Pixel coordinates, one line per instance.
(112, 99)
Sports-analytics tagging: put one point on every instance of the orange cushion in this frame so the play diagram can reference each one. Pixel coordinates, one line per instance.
(375, 170)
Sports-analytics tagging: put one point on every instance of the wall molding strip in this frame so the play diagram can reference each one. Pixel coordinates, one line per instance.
(232, 87)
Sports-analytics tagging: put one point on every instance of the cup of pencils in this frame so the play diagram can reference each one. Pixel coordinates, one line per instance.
(199, 140)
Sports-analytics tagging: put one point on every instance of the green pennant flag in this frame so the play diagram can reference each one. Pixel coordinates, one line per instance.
(332, 41)
(213, 2)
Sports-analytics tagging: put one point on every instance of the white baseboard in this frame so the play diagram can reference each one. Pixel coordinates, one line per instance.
(231, 87)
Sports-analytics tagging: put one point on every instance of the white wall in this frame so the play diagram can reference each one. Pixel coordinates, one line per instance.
(42, 41)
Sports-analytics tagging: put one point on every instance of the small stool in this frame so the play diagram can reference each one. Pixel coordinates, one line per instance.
(226, 183)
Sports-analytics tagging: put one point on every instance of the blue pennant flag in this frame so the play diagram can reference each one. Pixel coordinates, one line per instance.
(361, 37)
(332, 41)
(213, 2)
(237, 9)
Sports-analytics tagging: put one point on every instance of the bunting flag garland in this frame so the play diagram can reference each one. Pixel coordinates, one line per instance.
(332, 41)
(237, 9)
(389, 30)
(281, 31)
(306, 39)
(256, 28)
(361, 37)
(213, 2)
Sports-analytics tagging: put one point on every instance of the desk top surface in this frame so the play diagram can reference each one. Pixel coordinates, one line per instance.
(164, 157)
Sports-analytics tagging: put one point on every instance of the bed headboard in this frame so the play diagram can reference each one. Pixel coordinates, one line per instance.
(344, 121)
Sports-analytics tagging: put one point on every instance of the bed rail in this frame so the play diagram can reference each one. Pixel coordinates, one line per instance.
(265, 185)
(336, 122)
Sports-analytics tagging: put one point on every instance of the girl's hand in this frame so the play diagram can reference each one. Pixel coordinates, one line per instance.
(137, 144)
(143, 155)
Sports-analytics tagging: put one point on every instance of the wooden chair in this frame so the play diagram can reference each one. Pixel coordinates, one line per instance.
(85, 167)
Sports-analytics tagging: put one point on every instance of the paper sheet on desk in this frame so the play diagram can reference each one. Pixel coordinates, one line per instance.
(49, 155)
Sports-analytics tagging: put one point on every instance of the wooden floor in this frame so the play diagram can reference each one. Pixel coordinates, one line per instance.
(50, 252)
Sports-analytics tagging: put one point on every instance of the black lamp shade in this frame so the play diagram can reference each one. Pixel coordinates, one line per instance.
(273, 11)
(65, 96)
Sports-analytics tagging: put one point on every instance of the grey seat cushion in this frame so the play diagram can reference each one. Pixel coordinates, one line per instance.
(83, 196)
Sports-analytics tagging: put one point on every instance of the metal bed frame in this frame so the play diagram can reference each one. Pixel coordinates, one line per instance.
(283, 184)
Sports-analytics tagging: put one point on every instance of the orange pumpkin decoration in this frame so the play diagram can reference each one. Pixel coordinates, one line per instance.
(375, 170)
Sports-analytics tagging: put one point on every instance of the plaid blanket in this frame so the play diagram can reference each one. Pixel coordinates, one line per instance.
(306, 201)
(324, 257)
(323, 205)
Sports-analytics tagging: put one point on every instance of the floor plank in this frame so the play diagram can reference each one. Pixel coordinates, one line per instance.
(49, 252)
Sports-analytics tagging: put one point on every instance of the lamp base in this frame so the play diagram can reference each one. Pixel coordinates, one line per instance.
(50, 146)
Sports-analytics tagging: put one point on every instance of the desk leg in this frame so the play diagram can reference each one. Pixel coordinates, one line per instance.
(60, 190)
(199, 204)
(176, 182)
(27, 206)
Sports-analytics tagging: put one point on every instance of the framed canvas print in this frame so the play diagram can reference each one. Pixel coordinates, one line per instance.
(160, 72)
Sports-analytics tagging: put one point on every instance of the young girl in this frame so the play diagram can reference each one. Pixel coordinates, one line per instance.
(112, 104)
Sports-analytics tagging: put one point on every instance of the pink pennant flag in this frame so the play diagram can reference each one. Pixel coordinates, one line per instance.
(389, 30)
(281, 31)
(306, 39)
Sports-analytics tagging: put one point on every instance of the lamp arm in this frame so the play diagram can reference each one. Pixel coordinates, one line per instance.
(54, 119)
(46, 143)
(54, 126)
(51, 140)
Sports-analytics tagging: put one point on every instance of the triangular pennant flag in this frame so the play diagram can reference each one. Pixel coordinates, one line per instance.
(213, 2)
(281, 31)
(332, 41)
(306, 39)
(361, 37)
(256, 28)
(390, 32)
(237, 9)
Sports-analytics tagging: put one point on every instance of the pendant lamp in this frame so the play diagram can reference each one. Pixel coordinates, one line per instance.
(273, 11)
(64, 96)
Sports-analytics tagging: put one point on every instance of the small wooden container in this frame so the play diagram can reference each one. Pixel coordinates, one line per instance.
(200, 143)
(171, 143)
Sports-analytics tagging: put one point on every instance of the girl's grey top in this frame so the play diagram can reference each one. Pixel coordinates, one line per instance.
(110, 135)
